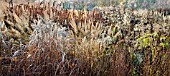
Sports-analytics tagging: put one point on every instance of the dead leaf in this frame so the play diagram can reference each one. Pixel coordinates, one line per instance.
(17, 19)
(45, 15)
(73, 24)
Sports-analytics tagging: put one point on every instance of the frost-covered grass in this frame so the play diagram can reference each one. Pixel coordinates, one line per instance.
(121, 42)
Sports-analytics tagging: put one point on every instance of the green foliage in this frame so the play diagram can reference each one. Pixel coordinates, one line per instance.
(148, 39)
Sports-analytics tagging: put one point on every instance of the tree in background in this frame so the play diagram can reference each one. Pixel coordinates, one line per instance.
(133, 3)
